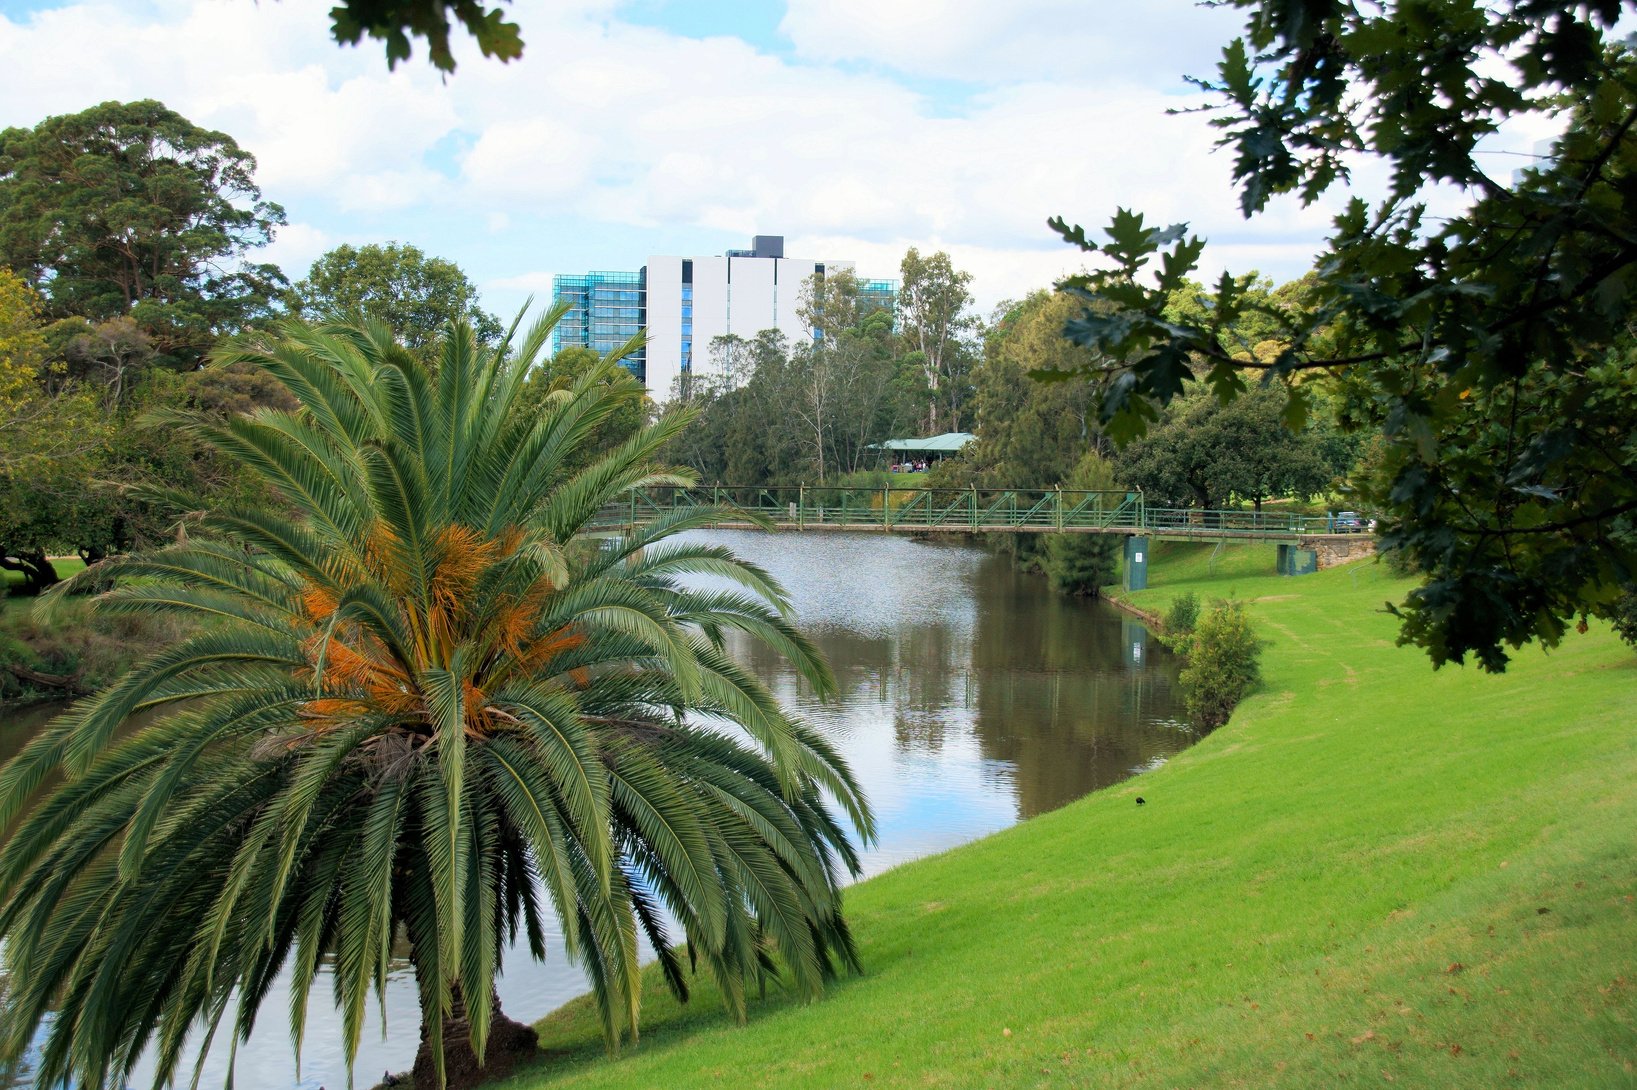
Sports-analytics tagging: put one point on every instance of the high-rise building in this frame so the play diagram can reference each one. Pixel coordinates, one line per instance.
(607, 311)
(685, 302)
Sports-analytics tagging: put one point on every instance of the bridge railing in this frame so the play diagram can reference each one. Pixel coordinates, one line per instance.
(1215, 523)
(968, 509)
(972, 509)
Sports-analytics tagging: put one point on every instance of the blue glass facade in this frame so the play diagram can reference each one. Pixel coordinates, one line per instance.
(879, 293)
(607, 309)
(687, 328)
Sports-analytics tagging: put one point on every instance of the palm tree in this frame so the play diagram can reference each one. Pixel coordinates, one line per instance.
(427, 706)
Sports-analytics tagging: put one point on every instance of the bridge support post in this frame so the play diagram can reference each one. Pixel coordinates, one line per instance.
(1295, 560)
(1136, 563)
(1134, 638)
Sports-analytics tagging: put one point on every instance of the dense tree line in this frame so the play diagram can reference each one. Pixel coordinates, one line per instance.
(1036, 430)
(128, 239)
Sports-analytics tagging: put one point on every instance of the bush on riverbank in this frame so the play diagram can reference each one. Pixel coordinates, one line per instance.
(1373, 873)
(1224, 663)
(1179, 622)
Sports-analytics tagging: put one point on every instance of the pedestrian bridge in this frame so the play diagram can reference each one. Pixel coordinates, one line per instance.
(985, 511)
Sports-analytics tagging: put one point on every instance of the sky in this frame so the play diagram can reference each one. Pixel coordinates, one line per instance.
(854, 128)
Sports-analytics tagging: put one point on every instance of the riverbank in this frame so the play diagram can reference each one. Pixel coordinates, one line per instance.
(74, 652)
(1374, 872)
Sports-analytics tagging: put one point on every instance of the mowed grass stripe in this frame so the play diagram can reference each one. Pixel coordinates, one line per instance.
(1374, 873)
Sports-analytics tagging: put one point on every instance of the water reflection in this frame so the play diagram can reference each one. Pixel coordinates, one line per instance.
(972, 697)
(1004, 700)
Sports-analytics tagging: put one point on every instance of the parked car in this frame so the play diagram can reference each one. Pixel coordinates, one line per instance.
(1347, 522)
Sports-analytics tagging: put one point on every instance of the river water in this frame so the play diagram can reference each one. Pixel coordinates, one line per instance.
(972, 697)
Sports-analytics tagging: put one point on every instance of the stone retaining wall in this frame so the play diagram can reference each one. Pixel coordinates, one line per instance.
(1333, 549)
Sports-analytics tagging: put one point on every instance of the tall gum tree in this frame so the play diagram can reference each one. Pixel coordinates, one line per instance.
(128, 209)
(935, 317)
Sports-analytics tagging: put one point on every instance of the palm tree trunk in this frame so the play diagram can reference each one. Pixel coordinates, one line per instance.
(508, 1043)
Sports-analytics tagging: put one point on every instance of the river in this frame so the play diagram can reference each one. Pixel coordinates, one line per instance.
(972, 697)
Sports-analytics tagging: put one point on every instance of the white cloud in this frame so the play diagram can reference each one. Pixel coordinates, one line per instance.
(533, 159)
(535, 283)
(625, 126)
(296, 247)
(1154, 42)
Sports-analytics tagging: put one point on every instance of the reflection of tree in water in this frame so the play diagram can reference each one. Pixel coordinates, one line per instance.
(1058, 696)
(919, 671)
(1045, 684)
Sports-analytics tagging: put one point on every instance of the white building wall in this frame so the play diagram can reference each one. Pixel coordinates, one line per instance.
(793, 273)
(664, 325)
(711, 300)
(764, 293)
(752, 296)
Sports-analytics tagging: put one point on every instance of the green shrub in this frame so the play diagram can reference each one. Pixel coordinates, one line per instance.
(1223, 664)
(1180, 620)
(1624, 614)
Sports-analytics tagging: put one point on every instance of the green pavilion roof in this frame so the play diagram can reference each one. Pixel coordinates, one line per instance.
(947, 443)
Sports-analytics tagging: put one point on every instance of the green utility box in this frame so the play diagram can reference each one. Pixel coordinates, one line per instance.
(1136, 563)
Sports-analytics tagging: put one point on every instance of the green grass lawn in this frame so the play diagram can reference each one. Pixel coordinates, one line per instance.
(9, 579)
(1374, 874)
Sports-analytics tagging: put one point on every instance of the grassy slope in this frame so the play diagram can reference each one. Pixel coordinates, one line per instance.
(1373, 873)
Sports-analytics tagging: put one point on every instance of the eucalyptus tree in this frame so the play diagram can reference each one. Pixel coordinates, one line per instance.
(935, 313)
(128, 209)
(429, 705)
